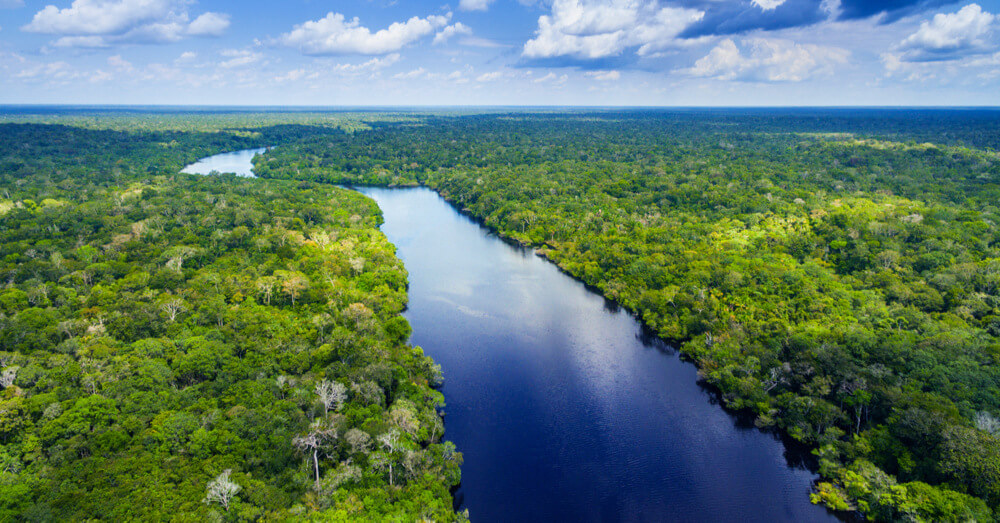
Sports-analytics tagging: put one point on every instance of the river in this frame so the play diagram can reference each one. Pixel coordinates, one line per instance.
(239, 163)
(565, 407)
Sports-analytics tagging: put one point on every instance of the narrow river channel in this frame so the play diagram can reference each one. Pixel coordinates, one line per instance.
(565, 408)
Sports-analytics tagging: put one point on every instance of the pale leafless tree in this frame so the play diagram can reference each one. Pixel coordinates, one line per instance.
(172, 307)
(332, 394)
(312, 442)
(222, 490)
(391, 444)
(986, 422)
(8, 376)
(266, 286)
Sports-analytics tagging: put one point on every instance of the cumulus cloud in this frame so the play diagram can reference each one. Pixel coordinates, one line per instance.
(588, 29)
(474, 5)
(209, 24)
(951, 36)
(768, 60)
(594, 29)
(100, 23)
(458, 28)
(888, 10)
(728, 18)
(87, 42)
(335, 35)
(767, 5)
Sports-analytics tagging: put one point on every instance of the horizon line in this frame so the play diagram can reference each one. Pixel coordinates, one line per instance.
(469, 106)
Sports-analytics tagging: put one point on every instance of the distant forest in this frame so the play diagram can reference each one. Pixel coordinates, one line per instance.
(177, 346)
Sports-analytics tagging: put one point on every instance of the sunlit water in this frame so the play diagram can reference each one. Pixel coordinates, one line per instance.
(239, 163)
(565, 408)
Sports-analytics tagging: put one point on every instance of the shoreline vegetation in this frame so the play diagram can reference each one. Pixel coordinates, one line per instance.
(188, 347)
(835, 284)
(836, 273)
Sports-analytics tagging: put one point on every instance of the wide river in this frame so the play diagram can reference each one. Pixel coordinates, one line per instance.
(565, 408)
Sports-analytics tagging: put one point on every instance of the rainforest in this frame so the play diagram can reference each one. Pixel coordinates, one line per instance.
(181, 346)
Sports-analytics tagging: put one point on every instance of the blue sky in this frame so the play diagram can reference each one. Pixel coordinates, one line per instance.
(501, 52)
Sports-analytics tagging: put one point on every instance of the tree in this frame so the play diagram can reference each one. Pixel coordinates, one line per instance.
(265, 285)
(391, 446)
(172, 306)
(331, 394)
(987, 423)
(317, 438)
(222, 490)
(293, 283)
(8, 376)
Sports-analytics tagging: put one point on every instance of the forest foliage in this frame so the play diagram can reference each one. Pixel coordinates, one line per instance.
(836, 273)
(182, 347)
(188, 348)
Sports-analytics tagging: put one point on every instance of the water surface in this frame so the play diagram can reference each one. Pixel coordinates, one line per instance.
(565, 409)
(239, 163)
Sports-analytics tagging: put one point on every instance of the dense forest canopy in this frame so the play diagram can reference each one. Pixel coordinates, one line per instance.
(833, 272)
(183, 347)
(836, 273)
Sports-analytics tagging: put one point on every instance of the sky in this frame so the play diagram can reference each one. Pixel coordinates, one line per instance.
(501, 52)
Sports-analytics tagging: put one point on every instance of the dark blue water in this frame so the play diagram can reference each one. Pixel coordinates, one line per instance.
(565, 410)
(564, 407)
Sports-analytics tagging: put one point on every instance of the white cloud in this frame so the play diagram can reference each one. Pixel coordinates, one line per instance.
(88, 42)
(458, 28)
(209, 24)
(334, 35)
(604, 76)
(239, 58)
(296, 75)
(768, 60)
(474, 5)
(51, 72)
(409, 75)
(768, 5)
(552, 77)
(186, 57)
(372, 65)
(99, 17)
(589, 29)
(119, 63)
(950, 36)
(473, 41)
(100, 76)
(489, 77)
(100, 23)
